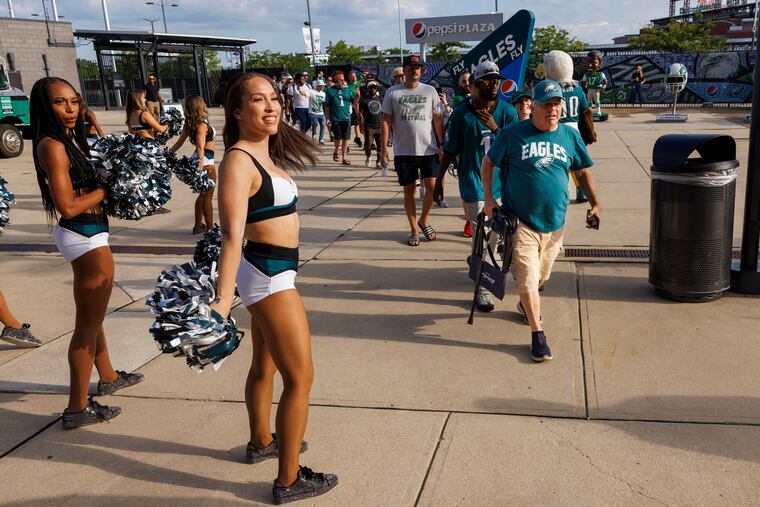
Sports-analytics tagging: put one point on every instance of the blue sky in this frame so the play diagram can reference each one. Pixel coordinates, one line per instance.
(276, 25)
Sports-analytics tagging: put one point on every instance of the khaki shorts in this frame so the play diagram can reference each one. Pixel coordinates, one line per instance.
(533, 257)
(154, 108)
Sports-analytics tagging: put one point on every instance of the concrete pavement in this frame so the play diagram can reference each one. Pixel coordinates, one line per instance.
(647, 402)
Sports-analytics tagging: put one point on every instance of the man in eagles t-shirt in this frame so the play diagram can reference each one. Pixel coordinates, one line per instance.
(371, 120)
(412, 110)
(535, 156)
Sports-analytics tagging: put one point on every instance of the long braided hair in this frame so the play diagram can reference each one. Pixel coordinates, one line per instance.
(45, 123)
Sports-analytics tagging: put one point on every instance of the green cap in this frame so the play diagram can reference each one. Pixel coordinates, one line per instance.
(519, 94)
(547, 90)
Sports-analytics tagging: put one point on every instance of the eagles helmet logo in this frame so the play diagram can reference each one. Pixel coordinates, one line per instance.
(550, 87)
(544, 162)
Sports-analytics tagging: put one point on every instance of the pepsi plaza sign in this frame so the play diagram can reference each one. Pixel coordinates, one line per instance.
(452, 28)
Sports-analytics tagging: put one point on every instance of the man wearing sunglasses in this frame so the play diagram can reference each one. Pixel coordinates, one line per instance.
(472, 128)
(535, 156)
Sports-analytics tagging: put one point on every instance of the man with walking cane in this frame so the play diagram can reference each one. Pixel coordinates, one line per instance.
(535, 157)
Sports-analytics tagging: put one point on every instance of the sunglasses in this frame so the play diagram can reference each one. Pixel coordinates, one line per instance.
(491, 81)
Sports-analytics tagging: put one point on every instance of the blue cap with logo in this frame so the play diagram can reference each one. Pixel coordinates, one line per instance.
(547, 90)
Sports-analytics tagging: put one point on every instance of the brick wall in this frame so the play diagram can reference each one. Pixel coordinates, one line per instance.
(27, 40)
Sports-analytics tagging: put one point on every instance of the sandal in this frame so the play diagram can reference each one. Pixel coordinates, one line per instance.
(335, 156)
(346, 161)
(428, 231)
(413, 240)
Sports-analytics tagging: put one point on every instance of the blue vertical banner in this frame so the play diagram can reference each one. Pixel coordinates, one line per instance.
(508, 47)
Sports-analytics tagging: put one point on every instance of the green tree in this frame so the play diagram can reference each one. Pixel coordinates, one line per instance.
(342, 53)
(445, 51)
(212, 60)
(679, 37)
(553, 37)
(292, 62)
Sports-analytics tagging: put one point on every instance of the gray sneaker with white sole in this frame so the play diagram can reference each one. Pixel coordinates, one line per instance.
(21, 336)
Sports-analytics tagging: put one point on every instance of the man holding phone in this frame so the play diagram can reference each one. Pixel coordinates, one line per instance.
(535, 156)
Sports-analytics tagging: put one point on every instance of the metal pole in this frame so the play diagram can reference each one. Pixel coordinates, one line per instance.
(55, 10)
(496, 6)
(10, 9)
(423, 56)
(105, 15)
(754, 26)
(163, 13)
(746, 280)
(400, 36)
(311, 36)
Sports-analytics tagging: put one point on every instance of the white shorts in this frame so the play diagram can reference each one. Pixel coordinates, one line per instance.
(265, 270)
(73, 245)
(206, 159)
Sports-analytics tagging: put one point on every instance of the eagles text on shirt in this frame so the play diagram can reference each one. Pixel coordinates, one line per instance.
(548, 151)
(412, 107)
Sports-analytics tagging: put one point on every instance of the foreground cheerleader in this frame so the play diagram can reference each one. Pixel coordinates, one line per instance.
(257, 200)
(68, 186)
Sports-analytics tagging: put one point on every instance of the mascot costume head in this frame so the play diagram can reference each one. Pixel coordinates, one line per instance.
(558, 66)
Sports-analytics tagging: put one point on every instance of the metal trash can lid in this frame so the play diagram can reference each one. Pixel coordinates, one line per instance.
(671, 153)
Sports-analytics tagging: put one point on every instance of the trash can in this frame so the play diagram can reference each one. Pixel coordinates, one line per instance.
(692, 216)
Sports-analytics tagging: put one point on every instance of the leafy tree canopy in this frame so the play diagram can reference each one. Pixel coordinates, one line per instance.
(551, 38)
(445, 51)
(342, 53)
(679, 37)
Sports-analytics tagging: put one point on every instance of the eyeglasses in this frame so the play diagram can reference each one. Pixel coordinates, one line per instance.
(491, 81)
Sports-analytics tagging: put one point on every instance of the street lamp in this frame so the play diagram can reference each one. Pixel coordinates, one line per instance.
(151, 21)
(163, 10)
(311, 36)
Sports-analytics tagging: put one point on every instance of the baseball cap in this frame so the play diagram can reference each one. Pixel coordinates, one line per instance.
(519, 94)
(547, 90)
(484, 70)
(320, 82)
(372, 83)
(398, 71)
(412, 60)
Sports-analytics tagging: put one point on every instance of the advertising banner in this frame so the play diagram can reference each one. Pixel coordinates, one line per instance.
(452, 28)
(508, 47)
(307, 40)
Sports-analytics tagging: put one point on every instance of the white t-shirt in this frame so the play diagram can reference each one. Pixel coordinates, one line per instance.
(300, 101)
(411, 111)
(317, 102)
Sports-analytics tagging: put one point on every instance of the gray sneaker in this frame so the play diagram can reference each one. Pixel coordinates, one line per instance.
(123, 380)
(253, 455)
(524, 316)
(21, 337)
(484, 301)
(93, 413)
(308, 484)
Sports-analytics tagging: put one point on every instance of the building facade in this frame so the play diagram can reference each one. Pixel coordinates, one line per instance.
(36, 49)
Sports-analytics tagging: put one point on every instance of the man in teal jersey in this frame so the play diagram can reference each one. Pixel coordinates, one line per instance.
(338, 100)
(535, 156)
(472, 128)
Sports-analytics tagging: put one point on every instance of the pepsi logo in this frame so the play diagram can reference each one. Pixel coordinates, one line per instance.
(712, 90)
(419, 30)
(508, 86)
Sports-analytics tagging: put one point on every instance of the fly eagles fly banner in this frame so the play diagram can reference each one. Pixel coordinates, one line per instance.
(507, 47)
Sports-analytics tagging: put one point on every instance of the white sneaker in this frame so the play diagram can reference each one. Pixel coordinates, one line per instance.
(384, 171)
(422, 192)
(443, 204)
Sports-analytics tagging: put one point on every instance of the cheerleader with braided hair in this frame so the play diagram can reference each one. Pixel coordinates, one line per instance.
(69, 190)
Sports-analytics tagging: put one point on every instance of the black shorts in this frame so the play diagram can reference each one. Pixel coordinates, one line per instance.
(354, 118)
(341, 130)
(411, 168)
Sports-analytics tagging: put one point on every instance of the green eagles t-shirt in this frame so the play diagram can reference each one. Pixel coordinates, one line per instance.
(575, 102)
(339, 101)
(467, 137)
(534, 173)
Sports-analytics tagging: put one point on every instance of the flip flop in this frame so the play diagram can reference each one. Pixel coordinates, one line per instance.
(428, 231)
(335, 156)
(346, 161)
(413, 240)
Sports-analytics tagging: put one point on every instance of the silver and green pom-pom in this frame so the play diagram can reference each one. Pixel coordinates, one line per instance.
(187, 171)
(172, 117)
(135, 173)
(7, 200)
(208, 249)
(185, 323)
